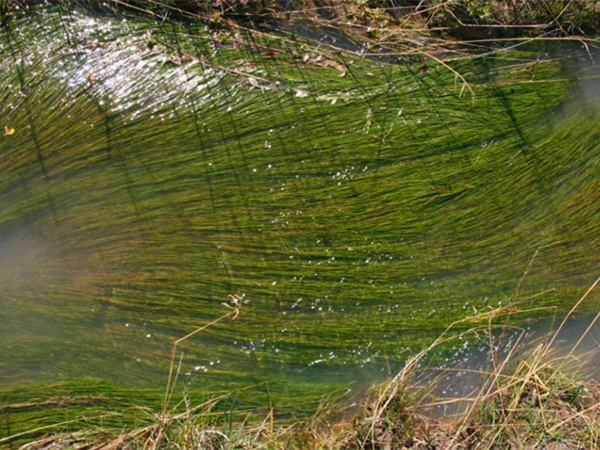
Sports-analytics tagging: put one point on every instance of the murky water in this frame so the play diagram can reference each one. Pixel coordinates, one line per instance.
(353, 207)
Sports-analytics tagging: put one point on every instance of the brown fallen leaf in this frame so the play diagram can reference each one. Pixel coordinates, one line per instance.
(319, 60)
(185, 58)
(90, 76)
(334, 64)
(181, 60)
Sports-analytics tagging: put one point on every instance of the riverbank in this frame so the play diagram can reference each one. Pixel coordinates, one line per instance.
(373, 19)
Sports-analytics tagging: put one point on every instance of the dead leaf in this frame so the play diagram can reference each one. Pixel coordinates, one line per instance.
(336, 65)
(181, 60)
(318, 60)
(99, 44)
(90, 76)
(187, 58)
(9, 131)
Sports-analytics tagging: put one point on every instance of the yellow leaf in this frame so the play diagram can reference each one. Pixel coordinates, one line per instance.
(8, 131)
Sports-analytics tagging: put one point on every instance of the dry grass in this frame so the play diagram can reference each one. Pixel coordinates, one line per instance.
(458, 18)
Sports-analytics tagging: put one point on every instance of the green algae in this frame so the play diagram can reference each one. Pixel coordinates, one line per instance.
(355, 216)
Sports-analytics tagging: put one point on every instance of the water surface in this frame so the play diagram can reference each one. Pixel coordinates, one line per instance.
(354, 207)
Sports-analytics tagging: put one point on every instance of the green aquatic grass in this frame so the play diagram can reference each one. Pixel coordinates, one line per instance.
(355, 216)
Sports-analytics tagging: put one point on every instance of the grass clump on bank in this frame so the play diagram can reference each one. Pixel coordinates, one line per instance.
(509, 17)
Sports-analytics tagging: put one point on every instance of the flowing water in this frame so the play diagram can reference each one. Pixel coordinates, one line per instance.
(151, 172)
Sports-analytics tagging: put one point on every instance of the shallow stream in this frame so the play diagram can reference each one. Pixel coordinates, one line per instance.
(353, 207)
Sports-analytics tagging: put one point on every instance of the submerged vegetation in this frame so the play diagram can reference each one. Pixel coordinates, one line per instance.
(353, 190)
